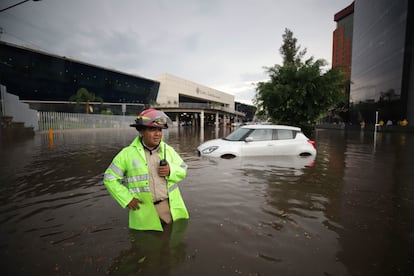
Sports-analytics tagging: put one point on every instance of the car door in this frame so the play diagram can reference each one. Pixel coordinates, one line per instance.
(259, 143)
(284, 142)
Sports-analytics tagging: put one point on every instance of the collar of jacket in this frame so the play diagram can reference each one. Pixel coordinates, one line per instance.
(137, 142)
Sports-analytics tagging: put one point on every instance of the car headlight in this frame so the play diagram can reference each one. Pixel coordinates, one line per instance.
(209, 149)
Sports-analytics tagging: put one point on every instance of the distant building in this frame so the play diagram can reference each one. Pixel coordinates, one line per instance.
(342, 52)
(249, 110)
(382, 76)
(342, 40)
(175, 91)
(47, 81)
(189, 101)
(38, 76)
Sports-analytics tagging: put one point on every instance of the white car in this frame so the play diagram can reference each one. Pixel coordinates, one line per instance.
(260, 140)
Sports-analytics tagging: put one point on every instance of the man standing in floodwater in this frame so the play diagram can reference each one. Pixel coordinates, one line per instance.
(150, 170)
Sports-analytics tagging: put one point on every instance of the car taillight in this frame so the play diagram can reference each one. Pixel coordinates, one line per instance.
(312, 143)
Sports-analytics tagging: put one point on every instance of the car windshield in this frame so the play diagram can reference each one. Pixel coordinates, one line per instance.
(238, 134)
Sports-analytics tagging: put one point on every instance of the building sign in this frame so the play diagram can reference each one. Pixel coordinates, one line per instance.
(206, 93)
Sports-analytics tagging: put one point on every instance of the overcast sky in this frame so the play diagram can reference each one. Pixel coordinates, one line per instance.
(222, 44)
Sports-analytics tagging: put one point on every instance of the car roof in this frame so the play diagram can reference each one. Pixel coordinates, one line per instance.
(271, 127)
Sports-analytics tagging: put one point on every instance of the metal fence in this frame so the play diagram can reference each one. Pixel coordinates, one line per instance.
(62, 121)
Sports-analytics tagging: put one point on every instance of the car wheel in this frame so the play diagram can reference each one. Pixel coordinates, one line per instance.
(228, 156)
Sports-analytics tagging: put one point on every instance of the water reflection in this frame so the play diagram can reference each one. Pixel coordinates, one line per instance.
(349, 211)
(272, 216)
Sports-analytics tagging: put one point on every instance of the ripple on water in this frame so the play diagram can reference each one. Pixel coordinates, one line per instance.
(248, 215)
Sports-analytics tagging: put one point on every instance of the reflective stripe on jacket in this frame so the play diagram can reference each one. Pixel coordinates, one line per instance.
(127, 177)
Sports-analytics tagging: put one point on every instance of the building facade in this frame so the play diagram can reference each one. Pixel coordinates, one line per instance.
(342, 40)
(48, 81)
(342, 53)
(382, 77)
(193, 103)
(175, 90)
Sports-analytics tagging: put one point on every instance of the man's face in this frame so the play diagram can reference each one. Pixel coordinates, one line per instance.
(151, 136)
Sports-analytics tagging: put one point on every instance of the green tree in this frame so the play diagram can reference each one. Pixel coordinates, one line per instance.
(290, 52)
(299, 92)
(84, 96)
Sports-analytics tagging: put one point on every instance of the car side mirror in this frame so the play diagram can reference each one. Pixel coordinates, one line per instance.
(248, 139)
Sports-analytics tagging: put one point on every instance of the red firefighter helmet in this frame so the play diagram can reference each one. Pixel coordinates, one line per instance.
(151, 118)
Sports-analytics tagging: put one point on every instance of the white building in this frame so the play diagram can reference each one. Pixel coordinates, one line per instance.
(187, 101)
(174, 91)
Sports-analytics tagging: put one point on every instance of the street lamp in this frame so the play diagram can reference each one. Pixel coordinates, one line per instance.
(21, 2)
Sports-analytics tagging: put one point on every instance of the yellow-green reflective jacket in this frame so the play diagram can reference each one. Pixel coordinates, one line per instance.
(129, 167)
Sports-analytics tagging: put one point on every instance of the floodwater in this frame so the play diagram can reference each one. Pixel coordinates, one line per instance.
(350, 211)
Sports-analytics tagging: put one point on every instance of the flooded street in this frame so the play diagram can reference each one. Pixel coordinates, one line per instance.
(349, 211)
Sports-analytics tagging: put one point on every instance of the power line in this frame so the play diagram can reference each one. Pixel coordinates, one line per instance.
(19, 3)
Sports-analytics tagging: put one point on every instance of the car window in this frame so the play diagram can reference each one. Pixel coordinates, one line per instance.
(238, 134)
(283, 134)
(261, 134)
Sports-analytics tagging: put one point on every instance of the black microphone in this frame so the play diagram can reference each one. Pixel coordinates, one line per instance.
(163, 162)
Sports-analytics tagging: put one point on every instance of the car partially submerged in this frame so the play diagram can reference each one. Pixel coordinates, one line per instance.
(260, 140)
